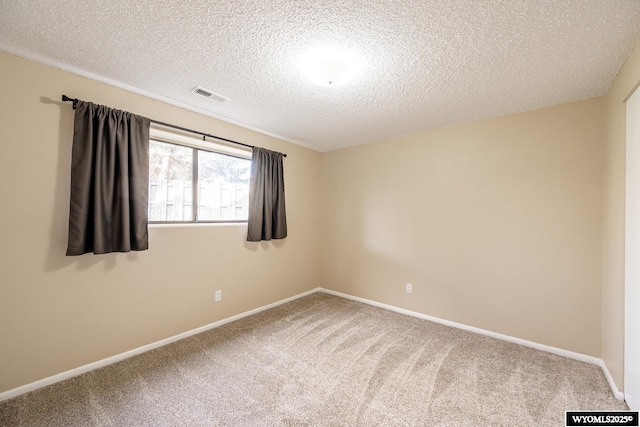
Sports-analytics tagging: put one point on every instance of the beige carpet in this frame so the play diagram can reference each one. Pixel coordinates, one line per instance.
(324, 361)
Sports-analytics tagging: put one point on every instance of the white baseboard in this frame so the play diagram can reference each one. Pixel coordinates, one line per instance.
(122, 356)
(555, 350)
(614, 388)
(127, 354)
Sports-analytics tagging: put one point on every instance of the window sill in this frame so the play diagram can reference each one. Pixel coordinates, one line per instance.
(197, 224)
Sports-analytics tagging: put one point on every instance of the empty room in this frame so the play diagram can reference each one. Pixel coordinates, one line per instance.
(340, 213)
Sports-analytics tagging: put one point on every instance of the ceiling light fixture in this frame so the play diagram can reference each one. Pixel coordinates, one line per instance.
(330, 67)
(329, 73)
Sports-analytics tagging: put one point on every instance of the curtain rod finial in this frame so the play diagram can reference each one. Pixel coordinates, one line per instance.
(65, 98)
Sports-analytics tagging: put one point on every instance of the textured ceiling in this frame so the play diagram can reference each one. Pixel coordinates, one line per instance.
(425, 64)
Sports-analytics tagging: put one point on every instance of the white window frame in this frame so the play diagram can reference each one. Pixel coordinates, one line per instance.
(168, 135)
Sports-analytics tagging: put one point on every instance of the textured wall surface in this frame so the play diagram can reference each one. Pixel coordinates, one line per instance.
(613, 217)
(497, 224)
(57, 312)
(425, 63)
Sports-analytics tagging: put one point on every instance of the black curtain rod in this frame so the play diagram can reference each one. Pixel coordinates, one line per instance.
(65, 98)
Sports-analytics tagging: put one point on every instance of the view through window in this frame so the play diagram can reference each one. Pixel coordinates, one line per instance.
(194, 185)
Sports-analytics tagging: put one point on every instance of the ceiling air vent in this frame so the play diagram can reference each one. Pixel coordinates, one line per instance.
(210, 94)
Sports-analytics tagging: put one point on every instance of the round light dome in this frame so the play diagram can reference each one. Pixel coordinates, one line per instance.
(330, 67)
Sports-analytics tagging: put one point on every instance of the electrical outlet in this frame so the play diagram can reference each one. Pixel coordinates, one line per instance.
(409, 288)
(218, 296)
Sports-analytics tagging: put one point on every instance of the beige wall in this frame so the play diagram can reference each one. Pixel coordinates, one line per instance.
(497, 224)
(613, 218)
(57, 312)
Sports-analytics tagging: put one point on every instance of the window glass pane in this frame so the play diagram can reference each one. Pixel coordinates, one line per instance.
(223, 187)
(170, 182)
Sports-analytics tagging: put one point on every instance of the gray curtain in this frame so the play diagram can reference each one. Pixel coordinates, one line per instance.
(267, 216)
(109, 181)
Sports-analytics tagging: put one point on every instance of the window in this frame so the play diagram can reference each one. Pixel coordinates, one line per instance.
(188, 184)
